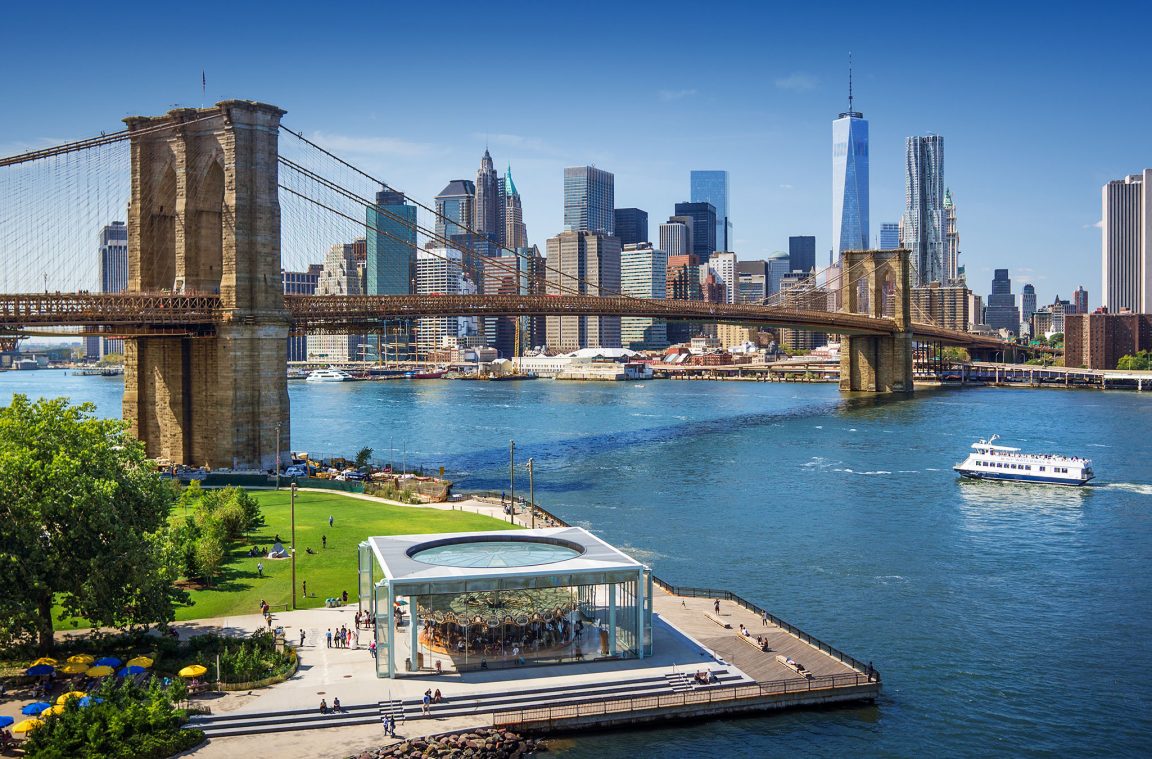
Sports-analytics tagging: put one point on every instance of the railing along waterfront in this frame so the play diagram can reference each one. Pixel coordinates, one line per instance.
(865, 670)
(726, 595)
(710, 695)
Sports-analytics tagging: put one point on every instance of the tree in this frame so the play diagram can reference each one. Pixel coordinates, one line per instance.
(1140, 361)
(84, 525)
(363, 456)
(956, 356)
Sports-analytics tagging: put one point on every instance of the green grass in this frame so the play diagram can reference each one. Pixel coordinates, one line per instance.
(331, 570)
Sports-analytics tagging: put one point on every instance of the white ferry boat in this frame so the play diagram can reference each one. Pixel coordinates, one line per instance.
(999, 462)
(331, 374)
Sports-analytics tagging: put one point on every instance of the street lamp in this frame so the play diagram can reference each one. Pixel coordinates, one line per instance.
(278, 455)
(531, 494)
(293, 512)
(512, 480)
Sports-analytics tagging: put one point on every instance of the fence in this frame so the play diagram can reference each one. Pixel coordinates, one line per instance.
(712, 695)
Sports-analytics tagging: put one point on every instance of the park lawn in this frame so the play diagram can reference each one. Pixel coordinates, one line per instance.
(330, 571)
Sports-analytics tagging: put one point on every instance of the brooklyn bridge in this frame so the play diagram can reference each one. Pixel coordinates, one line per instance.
(213, 200)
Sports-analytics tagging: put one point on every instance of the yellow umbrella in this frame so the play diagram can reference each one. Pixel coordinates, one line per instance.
(45, 660)
(27, 725)
(193, 670)
(81, 659)
(140, 661)
(58, 709)
(100, 671)
(70, 694)
(74, 668)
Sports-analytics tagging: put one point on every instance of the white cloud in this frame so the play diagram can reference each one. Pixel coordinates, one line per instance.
(676, 94)
(1099, 224)
(380, 146)
(785, 187)
(797, 82)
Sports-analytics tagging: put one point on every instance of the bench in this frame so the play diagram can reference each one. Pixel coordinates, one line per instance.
(794, 666)
(717, 620)
(752, 642)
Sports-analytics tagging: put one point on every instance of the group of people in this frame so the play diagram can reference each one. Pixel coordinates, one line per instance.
(429, 699)
(335, 709)
(486, 640)
(363, 620)
(341, 639)
(703, 677)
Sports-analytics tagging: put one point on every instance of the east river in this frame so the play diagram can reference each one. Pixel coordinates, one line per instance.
(1005, 619)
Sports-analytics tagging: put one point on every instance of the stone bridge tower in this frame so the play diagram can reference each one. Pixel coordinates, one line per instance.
(204, 218)
(878, 283)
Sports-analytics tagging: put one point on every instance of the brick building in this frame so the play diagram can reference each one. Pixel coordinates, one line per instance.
(1098, 341)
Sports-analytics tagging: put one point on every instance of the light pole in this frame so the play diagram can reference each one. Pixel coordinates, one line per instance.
(531, 494)
(293, 512)
(512, 480)
(278, 455)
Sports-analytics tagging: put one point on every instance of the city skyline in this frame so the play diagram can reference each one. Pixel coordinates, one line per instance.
(762, 115)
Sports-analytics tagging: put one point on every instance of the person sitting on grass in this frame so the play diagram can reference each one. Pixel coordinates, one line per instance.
(309, 551)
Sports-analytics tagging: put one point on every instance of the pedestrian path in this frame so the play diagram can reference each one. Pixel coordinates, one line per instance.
(472, 705)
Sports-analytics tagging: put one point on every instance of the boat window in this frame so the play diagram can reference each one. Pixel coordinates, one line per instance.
(1041, 469)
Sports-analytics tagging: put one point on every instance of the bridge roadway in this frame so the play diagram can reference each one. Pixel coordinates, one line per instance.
(136, 314)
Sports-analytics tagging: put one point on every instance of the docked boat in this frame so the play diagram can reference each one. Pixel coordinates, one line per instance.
(989, 461)
(331, 374)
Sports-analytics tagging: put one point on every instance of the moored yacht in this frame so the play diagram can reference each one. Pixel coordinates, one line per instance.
(331, 374)
(1000, 462)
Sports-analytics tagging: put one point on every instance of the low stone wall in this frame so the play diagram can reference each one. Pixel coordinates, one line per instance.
(482, 744)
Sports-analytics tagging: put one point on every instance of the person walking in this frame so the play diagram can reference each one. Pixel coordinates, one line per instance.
(426, 702)
(331, 519)
(764, 618)
(305, 584)
(301, 636)
(260, 568)
(391, 726)
(328, 637)
(716, 605)
(323, 541)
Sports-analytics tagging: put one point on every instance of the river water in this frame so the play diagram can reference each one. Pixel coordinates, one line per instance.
(1005, 619)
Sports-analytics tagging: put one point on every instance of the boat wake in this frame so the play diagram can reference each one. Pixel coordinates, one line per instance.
(1131, 487)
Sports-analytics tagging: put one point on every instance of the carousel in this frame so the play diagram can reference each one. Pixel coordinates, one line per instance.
(488, 600)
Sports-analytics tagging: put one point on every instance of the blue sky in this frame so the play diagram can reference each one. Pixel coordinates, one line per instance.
(1039, 104)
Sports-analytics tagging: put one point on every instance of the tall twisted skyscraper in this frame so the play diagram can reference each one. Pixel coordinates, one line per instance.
(850, 179)
(924, 216)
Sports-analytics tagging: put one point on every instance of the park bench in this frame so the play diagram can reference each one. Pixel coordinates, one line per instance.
(717, 620)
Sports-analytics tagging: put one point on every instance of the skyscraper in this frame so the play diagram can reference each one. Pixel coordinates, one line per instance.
(1001, 311)
(643, 274)
(487, 216)
(850, 179)
(300, 283)
(676, 238)
(712, 187)
(589, 264)
(515, 233)
(952, 266)
(338, 277)
(889, 236)
(802, 253)
(441, 271)
(923, 227)
(589, 200)
(113, 272)
(1027, 303)
(683, 283)
(454, 208)
(703, 217)
(1127, 244)
(723, 266)
(631, 226)
(1079, 301)
(391, 245)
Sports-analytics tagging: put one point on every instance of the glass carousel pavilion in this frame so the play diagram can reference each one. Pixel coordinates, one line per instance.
(484, 600)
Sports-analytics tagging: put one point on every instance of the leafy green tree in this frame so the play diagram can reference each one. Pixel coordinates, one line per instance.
(1140, 361)
(84, 523)
(209, 554)
(363, 457)
(956, 355)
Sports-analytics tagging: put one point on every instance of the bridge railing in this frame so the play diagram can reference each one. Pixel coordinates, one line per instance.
(709, 695)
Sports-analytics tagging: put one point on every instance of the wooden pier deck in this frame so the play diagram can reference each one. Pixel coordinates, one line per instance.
(696, 617)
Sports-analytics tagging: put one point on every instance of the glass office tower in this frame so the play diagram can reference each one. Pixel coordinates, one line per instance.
(712, 187)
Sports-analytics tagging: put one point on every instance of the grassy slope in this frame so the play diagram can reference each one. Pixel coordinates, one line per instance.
(330, 571)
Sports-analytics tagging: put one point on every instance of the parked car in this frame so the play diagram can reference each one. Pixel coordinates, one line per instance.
(295, 471)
